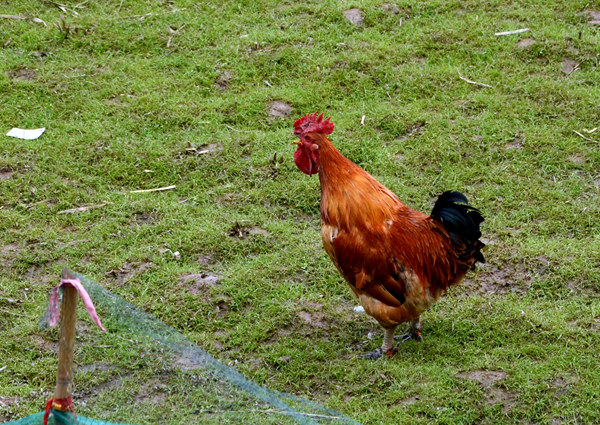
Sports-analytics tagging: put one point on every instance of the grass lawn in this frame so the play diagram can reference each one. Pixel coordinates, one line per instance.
(140, 94)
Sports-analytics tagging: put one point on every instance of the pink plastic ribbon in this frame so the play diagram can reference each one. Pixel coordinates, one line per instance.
(53, 312)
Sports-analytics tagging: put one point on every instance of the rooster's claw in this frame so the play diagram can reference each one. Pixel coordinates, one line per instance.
(376, 355)
(411, 334)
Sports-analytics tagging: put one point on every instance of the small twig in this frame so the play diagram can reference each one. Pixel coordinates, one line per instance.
(81, 209)
(474, 82)
(3, 368)
(175, 31)
(590, 131)
(153, 190)
(268, 84)
(511, 32)
(362, 121)
(7, 42)
(235, 129)
(24, 18)
(575, 68)
(584, 137)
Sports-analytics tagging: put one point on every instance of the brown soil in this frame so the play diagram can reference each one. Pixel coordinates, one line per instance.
(23, 74)
(525, 43)
(488, 379)
(354, 15)
(127, 272)
(198, 282)
(279, 109)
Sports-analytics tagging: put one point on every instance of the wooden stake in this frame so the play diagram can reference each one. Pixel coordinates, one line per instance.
(66, 348)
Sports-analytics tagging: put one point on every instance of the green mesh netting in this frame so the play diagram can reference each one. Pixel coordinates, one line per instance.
(188, 385)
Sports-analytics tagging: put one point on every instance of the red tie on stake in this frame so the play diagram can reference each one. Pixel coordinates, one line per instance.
(71, 285)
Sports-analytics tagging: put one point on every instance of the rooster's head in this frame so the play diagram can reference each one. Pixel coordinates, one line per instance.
(306, 156)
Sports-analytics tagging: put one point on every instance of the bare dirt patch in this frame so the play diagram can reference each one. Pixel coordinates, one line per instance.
(354, 15)
(127, 272)
(198, 282)
(45, 345)
(6, 174)
(10, 250)
(242, 231)
(525, 43)
(488, 379)
(206, 259)
(497, 279)
(153, 392)
(577, 159)
(313, 319)
(279, 109)
(145, 217)
(22, 74)
(568, 66)
(562, 385)
(224, 80)
(203, 149)
(517, 142)
(413, 130)
(390, 8)
(594, 17)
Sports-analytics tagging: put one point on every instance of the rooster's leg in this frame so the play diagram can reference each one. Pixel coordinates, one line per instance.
(387, 347)
(414, 332)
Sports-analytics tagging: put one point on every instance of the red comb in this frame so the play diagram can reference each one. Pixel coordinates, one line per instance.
(311, 123)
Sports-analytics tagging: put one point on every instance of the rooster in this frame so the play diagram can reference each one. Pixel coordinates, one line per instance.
(397, 261)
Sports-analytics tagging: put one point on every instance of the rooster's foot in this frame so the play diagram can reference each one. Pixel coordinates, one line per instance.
(411, 334)
(377, 354)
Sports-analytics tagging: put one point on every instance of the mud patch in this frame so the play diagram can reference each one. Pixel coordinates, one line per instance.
(203, 148)
(354, 15)
(185, 363)
(6, 174)
(145, 217)
(224, 80)
(413, 129)
(568, 66)
(242, 231)
(22, 74)
(488, 380)
(45, 345)
(525, 43)
(153, 392)
(127, 272)
(206, 259)
(10, 250)
(95, 367)
(593, 16)
(497, 279)
(390, 8)
(517, 142)
(577, 159)
(562, 385)
(312, 319)
(279, 109)
(196, 283)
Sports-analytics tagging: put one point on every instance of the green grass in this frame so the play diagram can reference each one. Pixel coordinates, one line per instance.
(121, 93)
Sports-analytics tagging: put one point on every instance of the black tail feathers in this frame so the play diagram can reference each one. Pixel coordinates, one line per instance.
(462, 222)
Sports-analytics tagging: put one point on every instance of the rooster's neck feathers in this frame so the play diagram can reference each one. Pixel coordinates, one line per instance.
(349, 195)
